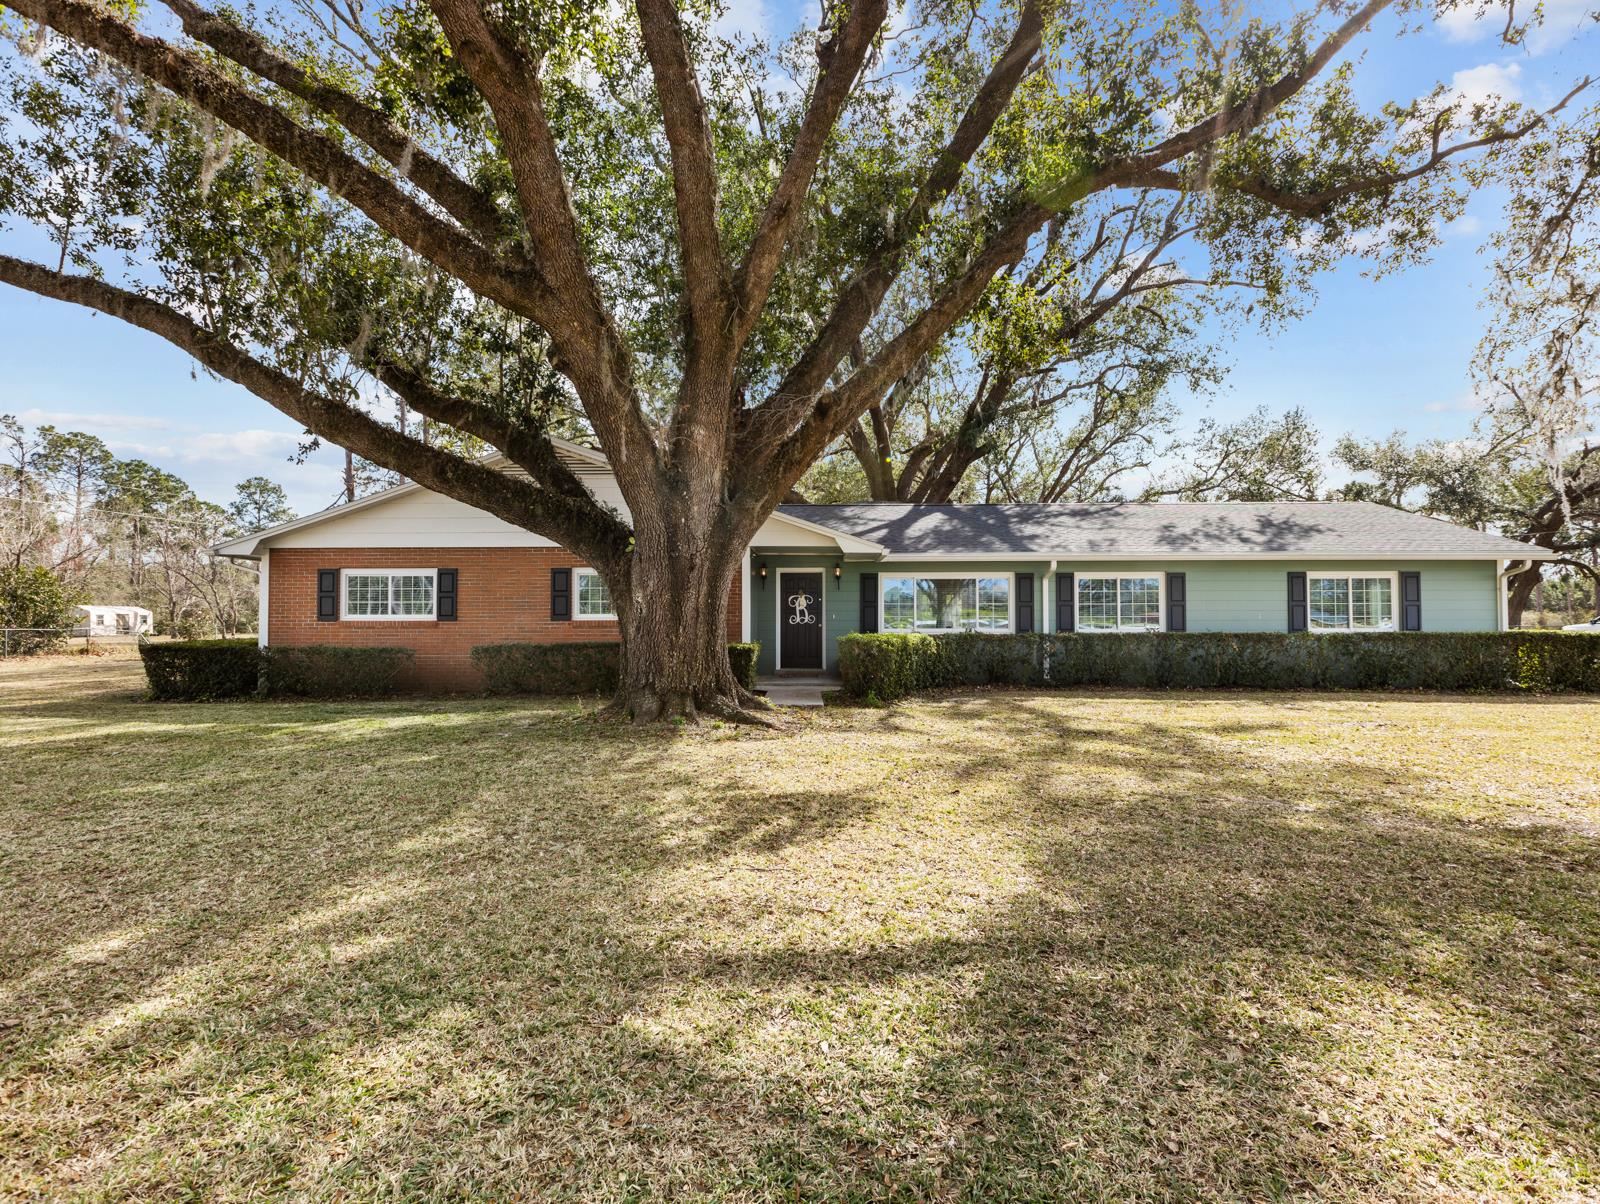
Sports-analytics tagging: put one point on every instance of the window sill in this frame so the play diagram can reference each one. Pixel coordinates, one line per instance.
(942, 631)
(388, 618)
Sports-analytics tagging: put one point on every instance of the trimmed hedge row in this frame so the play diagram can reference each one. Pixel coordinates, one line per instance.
(203, 670)
(888, 667)
(328, 672)
(200, 670)
(578, 668)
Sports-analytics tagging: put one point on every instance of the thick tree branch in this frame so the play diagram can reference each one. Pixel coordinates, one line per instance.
(527, 448)
(1316, 204)
(590, 349)
(798, 390)
(842, 57)
(838, 407)
(694, 168)
(317, 155)
(1249, 112)
(817, 422)
(474, 209)
(584, 527)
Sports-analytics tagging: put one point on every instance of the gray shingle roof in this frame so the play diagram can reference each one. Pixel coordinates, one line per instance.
(1325, 530)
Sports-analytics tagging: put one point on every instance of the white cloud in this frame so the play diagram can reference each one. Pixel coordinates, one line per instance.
(108, 422)
(1473, 401)
(1563, 20)
(750, 17)
(1486, 82)
(215, 447)
(231, 447)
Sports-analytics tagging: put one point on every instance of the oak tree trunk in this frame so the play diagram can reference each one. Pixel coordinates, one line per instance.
(1522, 587)
(691, 525)
(674, 620)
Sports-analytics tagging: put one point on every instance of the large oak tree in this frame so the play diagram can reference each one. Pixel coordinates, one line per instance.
(714, 255)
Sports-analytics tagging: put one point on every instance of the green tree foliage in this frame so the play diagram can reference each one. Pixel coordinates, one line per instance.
(127, 531)
(259, 503)
(1531, 468)
(33, 597)
(712, 255)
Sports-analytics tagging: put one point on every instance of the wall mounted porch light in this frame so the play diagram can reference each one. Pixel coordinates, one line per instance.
(763, 571)
(838, 571)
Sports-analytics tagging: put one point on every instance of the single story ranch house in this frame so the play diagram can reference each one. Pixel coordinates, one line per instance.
(409, 567)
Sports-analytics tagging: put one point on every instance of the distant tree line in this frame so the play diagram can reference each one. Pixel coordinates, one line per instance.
(115, 531)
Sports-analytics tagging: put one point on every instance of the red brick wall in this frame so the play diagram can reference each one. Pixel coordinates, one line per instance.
(503, 596)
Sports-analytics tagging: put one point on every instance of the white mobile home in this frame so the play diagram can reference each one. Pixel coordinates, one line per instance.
(113, 620)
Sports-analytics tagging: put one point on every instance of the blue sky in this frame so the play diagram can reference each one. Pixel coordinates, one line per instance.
(1372, 356)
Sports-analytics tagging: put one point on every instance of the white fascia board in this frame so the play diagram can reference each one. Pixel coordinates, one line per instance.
(847, 543)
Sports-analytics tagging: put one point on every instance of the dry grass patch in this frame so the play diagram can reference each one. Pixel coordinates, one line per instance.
(993, 946)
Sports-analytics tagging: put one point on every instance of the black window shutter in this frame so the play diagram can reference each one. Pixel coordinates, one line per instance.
(1066, 608)
(869, 601)
(1024, 601)
(1297, 602)
(446, 596)
(1410, 601)
(1177, 602)
(327, 595)
(560, 594)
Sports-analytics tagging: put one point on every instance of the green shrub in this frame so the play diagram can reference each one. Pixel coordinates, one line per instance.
(585, 668)
(742, 659)
(889, 667)
(333, 672)
(32, 596)
(199, 670)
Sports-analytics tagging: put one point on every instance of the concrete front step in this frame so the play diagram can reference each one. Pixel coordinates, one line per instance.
(796, 691)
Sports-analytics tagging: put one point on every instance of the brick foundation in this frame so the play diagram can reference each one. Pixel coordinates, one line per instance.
(503, 596)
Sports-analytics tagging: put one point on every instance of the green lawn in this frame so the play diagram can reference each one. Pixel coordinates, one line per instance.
(995, 946)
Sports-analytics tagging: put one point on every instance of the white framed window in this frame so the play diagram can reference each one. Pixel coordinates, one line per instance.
(389, 594)
(1351, 601)
(942, 602)
(1121, 602)
(592, 598)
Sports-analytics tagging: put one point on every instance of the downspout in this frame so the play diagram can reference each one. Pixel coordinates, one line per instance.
(1050, 609)
(1513, 568)
(1049, 599)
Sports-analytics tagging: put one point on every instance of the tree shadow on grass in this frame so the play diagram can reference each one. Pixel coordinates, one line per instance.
(983, 950)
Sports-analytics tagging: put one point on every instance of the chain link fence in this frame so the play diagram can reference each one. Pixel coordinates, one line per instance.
(29, 641)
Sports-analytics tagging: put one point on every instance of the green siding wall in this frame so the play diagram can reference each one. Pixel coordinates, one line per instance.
(1457, 595)
(1231, 595)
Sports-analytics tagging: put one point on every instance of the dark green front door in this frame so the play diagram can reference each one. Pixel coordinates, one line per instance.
(800, 621)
